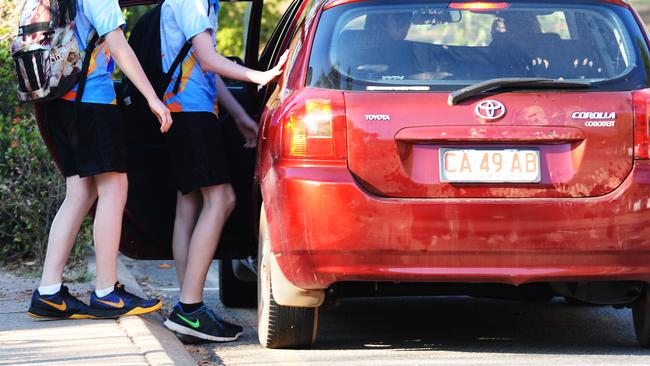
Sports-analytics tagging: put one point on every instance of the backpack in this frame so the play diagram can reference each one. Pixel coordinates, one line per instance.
(46, 55)
(145, 42)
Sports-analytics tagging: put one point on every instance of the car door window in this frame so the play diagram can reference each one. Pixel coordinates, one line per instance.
(272, 50)
(234, 18)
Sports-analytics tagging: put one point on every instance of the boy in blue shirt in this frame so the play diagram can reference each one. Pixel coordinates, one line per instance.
(93, 160)
(205, 196)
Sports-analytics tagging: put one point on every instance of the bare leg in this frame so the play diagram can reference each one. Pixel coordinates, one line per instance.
(188, 208)
(218, 203)
(80, 194)
(112, 190)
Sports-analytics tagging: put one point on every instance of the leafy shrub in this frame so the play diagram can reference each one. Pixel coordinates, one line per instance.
(31, 188)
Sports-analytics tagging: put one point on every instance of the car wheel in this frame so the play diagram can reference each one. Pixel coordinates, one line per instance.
(279, 326)
(233, 292)
(641, 316)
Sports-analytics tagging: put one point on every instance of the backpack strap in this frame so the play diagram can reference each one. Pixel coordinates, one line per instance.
(34, 27)
(84, 73)
(179, 58)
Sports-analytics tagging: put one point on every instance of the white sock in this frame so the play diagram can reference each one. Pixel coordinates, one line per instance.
(50, 289)
(105, 291)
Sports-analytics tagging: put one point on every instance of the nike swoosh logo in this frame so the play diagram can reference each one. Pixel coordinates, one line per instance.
(118, 305)
(61, 307)
(193, 324)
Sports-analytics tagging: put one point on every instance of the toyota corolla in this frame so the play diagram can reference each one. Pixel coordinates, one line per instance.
(489, 148)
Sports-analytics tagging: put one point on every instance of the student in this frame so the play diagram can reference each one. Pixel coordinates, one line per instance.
(205, 197)
(92, 153)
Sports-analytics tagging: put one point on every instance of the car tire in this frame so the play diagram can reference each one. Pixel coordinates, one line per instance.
(641, 317)
(233, 292)
(279, 326)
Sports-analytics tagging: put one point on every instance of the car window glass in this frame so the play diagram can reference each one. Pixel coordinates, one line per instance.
(554, 23)
(294, 46)
(234, 17)
(431, 46)
(270, 50)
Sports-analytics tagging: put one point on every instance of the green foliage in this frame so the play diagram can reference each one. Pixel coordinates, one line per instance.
(232, 25)
(31, 188)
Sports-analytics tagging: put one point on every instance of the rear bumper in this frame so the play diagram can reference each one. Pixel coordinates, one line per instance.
(324, 228)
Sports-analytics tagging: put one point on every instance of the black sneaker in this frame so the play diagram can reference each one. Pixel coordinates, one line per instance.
(61, 305)
(120, 303)
(203, 323)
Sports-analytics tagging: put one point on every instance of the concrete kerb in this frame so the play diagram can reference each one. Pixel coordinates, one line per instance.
(159, 346)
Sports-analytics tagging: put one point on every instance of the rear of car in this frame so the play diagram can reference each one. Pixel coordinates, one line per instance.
(463, 142)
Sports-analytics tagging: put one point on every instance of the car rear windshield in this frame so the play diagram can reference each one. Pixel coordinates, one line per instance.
(439, 46)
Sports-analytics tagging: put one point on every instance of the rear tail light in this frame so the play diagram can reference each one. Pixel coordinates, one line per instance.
(479, 6)
(314, 127)
(641, 101)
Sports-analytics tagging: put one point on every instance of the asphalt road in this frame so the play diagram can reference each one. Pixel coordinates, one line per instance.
(426, 331)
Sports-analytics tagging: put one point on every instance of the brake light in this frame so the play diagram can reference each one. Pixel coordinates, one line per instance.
(479, 6)
(314, 127)
(641, 101)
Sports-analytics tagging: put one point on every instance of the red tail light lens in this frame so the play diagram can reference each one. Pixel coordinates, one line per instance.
(641, 101)
(314, 127)
(479, 6)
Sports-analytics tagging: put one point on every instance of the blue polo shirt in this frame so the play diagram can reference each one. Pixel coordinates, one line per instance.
(180, 20)
(104, 16)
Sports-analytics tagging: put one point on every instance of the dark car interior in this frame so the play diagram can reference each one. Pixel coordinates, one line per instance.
(518, 47)
(150, 209)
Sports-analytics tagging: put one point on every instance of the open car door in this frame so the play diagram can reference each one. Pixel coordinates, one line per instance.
(150, 209)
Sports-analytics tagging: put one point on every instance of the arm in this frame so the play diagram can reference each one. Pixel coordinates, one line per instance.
(129, 64)
(244, 122)
(211, 61)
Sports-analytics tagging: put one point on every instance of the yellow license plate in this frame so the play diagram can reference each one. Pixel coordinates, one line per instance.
(490, 165)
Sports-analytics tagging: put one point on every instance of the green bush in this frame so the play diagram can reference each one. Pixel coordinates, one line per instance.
(31, 188)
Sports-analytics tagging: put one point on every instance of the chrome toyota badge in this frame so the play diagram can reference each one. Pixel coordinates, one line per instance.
(489, 110)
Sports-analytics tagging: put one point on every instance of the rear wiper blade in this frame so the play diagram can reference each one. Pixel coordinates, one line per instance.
(513, 83)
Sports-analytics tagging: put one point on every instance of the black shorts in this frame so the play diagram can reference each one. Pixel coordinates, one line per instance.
(90, 145)
(196, 151)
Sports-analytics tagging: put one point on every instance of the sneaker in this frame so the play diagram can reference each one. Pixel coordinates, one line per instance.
(203, 323)
(119, 303)
(61, 305)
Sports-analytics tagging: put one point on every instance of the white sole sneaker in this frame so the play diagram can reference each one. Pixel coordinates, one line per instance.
(191, 332)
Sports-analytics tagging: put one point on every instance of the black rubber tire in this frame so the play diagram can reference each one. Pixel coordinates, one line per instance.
(280, 326)
(641, 317)
(233, 292)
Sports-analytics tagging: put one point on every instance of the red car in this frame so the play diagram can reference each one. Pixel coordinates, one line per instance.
(488, 148)
(456, 143)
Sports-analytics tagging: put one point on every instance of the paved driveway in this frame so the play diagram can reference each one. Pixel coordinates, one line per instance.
(429, 331)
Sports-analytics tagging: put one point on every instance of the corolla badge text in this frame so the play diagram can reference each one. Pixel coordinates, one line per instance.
(490, 110)
(596, 119)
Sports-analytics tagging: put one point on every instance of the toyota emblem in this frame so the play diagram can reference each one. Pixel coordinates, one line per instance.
(490, 110)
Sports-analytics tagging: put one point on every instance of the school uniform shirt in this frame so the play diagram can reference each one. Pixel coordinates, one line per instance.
(180, 20)
(104, 16)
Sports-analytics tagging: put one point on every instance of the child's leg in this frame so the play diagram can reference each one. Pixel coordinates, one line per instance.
(112, 190)
(79, 197)
(188, 208)
(110, 299)
(218, 203)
